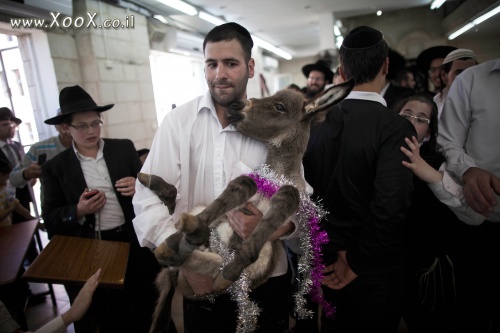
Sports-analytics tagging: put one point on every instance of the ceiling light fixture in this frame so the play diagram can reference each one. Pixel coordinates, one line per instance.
(379, 12)
(180, 6)
(210, 18)
(190, 10)
(474, 22)
(268, 46)
(161, 18)
(437, 3)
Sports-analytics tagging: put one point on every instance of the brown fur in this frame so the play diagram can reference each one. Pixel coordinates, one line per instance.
(283, 122)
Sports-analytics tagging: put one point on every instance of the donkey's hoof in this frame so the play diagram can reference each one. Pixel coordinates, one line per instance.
(188, 223)
(163, 252)
(195, 230)
(221, 283)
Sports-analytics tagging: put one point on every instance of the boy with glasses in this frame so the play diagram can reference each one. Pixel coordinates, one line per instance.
(110, 166)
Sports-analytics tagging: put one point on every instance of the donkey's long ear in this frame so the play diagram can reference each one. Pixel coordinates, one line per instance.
(330, 97)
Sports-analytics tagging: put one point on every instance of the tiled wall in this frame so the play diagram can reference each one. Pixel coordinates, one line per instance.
(112, 65)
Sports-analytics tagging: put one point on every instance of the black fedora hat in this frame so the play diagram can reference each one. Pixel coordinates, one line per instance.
(6, 114)
(425, 57)
(321, 66)
(72, 100)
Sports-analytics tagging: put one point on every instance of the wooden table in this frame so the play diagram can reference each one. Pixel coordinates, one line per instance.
(14, 242)
(73, 260)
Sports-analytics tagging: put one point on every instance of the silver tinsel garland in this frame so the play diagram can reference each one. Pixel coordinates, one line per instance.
(309, 266)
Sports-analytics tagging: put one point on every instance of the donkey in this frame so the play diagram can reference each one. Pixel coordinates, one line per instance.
(283, 121)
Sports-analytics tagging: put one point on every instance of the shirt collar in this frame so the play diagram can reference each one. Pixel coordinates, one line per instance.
(496, 66)
(207, 104)
(384, 89)
(82, 157)
(368, 96)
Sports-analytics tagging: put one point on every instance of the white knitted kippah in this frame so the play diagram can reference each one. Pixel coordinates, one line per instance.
(459, 54)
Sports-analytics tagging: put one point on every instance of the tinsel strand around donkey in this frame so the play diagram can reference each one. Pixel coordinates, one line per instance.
(206, 243)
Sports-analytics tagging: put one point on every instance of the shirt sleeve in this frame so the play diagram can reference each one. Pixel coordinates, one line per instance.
(56, 325)
(454, 126)
(16, 178)
(450, 192)
(153, 222)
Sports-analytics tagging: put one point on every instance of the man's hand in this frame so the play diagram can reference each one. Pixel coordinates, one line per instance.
(126, 186)
(480, 187)
(339, 274)
(90, 205)
(244, 222)
(33, 171)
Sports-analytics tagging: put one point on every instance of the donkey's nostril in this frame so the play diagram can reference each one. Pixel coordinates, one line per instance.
(238, 105)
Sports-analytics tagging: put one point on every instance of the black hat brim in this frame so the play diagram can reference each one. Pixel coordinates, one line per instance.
(58, 119)
(425, 58)
(308, 68)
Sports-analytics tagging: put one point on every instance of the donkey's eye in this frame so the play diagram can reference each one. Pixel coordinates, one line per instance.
(280, 107)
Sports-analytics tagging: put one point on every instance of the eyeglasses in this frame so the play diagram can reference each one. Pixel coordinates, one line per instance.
(419, 120)
(83, 128)
(433, 70)
(11, 125)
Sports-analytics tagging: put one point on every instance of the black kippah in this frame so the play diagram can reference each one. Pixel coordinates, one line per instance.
(362, 38)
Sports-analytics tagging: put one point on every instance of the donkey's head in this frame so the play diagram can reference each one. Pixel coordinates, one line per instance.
(284, 117)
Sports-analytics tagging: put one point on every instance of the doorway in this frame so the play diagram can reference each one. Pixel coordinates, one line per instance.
(14, 92)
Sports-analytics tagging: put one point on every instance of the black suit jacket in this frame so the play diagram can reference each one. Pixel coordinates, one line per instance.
(63, 183)
(394, 94)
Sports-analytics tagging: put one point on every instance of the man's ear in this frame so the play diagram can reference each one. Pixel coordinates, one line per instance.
(341, 72)
(251, 68)
(385, 66)
(444, 77)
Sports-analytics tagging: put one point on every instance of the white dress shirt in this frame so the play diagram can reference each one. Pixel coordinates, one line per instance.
(96, 174)
(194, 153)
(469, 126)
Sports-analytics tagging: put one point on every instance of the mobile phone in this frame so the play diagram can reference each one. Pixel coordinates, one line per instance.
(90, 193)
(42, 158)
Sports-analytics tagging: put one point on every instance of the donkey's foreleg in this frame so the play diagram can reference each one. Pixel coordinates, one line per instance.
(166, 192)
(282, 205)
(237, 192)
(195, 227)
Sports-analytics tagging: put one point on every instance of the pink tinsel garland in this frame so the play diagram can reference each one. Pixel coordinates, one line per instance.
(310, 213)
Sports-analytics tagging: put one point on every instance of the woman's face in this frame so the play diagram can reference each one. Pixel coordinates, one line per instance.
(419, 114)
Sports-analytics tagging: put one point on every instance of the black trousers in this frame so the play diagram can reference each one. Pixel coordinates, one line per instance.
(369, 304)
(202, 316)
(477, 253)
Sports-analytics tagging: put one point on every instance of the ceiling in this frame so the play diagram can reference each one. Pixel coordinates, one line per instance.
(293, 25)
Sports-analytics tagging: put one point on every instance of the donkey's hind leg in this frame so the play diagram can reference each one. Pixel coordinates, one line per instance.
(282, 205)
